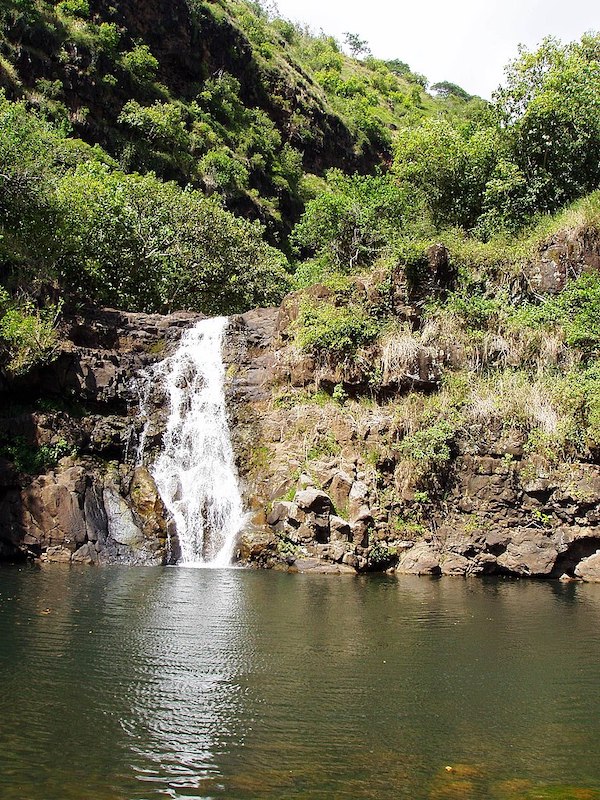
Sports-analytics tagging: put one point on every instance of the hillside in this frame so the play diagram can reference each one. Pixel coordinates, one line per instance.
(215, 94)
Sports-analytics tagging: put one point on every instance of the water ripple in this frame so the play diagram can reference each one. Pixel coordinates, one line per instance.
(125, 684)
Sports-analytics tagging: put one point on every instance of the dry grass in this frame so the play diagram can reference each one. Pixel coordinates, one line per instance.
(514, 400)
(502, 345)
(399, 352)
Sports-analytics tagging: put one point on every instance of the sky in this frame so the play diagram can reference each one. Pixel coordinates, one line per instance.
(468, 42)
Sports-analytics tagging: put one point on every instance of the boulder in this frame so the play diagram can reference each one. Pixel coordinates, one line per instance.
(454, 564)
(358, 505)
(337, 551)
(339, 489)
(589, 569)
(85, 555)
(313, 500)
(529, 552)
(147, 505)
(340, 530)
(419, 560)
(57, 555)
(280, 512)
(257, 547)
(121, 525)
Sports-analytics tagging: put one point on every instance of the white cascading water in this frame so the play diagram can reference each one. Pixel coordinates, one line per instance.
(195, 472)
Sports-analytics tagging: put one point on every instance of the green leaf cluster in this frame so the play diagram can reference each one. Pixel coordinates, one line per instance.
(28, 335)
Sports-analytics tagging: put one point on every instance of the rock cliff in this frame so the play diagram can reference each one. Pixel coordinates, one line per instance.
(324, 478)
(329, 492)
(71, 490)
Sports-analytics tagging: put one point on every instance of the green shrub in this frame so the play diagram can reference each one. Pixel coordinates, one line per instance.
(32, 459)
(28, 335)
(107, 37)
(430, 447)
(75, 8)
(223, 173)
(353, 220)
(158, 130)
(133, 241)
(326, 329)
(450, 164)
(140, 63)
(381, 556)
(576, 310)
(550, 109)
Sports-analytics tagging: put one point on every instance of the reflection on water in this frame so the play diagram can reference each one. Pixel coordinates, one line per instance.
(187, 695)
(133, 684)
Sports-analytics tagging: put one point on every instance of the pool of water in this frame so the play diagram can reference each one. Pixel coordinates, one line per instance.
(134, 684)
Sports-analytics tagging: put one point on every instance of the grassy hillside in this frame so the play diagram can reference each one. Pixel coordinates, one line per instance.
(216, 94)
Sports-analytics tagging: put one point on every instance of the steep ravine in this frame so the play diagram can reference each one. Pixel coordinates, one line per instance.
(318, 477)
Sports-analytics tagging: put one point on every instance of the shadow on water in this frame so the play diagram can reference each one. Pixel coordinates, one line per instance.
(148, 683)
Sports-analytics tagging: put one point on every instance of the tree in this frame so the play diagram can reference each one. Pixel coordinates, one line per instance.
(352, 221)
(448, 89)
(550, 109)
(356, 45)
(450, 164)
(134, 242)
(30, 151)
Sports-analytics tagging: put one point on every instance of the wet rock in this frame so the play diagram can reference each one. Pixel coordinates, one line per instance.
(355, 561)
(257, 547)
(307, 564)
(147, 505)
(249, 354)
(85, 555)
(96, 523)
(121, 525)
(57, 555)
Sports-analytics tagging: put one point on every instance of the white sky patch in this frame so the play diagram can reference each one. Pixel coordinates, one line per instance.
(468, 42)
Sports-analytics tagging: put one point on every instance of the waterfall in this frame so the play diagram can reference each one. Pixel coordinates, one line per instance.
(195, 472)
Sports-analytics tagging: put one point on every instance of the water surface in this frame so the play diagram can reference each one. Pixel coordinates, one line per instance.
(134, 684)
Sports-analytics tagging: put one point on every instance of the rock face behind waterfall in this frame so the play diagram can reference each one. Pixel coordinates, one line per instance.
(320, 480)
(90, 503)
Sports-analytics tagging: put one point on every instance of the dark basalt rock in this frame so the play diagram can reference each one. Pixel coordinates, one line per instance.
(85, 509)
(564, 257)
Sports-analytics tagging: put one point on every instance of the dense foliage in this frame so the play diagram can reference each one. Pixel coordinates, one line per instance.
(70, 217)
